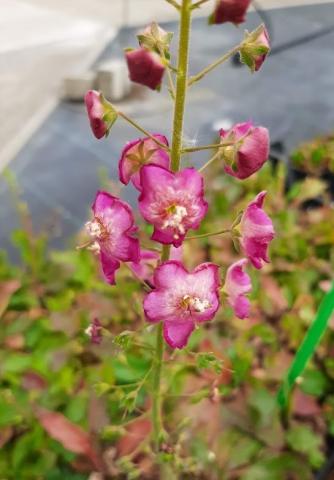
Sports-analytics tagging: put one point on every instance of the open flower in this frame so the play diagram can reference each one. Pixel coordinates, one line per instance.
(229, 11)
(257, 231)
(112, 229)
(182, 299)
(138, 153)
(237, 285)
(101, 113)
(145, 67)
(255, 48)
(249, 151)
(172, 202)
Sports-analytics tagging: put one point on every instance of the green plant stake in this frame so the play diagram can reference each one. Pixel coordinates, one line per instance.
(307, 348)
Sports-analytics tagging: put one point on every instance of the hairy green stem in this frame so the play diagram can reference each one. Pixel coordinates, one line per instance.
(179, 105)
(181, 84)
(213, 65)
(142, 130)
(212, 234)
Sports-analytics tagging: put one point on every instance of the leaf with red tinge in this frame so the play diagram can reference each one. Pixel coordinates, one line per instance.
(137, 431)
(6, 291)
(304, 405)
(71, 436)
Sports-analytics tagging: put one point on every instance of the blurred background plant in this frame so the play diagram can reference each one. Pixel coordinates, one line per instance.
(62, 399)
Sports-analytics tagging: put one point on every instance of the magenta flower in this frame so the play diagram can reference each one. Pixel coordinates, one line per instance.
(182, 299)
(101, 114)
(94, 331)
(249, 151)
(237, 285)
(172, 202)
(112, 229)
(257, 231)
(145, 67)
(141, 152)
(229, 11)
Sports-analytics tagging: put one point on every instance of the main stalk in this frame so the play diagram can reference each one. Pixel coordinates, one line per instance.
(179, 106)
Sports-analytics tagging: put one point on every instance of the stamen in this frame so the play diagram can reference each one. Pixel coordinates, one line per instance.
(175, 218)
(94, 228)
(195, 303)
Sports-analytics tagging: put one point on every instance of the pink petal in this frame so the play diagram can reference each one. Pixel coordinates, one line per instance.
(113, 209)
(109, 267)
(230, 11)
(129, 170)
(177, 334)
(169, 274)
(158, 306)
(241, 307)
(95, 113)
(145, 68)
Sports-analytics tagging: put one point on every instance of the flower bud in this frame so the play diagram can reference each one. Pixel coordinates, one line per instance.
(101, 113)
(229, 11)
(94, 331)
(145, 67)
(250, 149)
(255, 48)
(156, 39)
(237, 285)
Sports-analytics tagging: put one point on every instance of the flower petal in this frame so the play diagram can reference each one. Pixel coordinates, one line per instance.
(177, 334)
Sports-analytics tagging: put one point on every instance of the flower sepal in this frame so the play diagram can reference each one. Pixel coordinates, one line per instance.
(255, 48)
(156, 39)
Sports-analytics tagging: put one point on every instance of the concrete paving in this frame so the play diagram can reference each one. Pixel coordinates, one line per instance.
(58, 169)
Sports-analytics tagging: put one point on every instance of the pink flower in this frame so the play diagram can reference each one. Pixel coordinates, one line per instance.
(257, 231)
(94, 331)
(229, 11)
(249, 151)
(182, 299)
(112, 229)
(145, 67)
(101, 114)
(172, 202)
(237, 285)
(255, 48)
(138, 153)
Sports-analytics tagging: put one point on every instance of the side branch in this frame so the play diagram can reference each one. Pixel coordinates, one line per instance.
(213, 65)
(142, 130)
(174, 4)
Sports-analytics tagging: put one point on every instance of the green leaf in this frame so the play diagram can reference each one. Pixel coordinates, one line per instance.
(307, 348)
(209, 360)
(303, 439)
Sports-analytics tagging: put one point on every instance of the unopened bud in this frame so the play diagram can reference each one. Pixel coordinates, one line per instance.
(255, 48)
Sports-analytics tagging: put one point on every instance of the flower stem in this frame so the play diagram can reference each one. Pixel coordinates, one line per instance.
(181, 84)
(180, 98)
(207, 147)
(213, 65)
(205, 235)
(142, 130)
(212, 159)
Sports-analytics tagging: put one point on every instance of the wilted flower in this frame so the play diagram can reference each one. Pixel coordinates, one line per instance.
(138, 153)
(112, 229)
(237, 285)
(172, 202)
(94, 331)
(229, 11)
(255, 48)
(101, 113)
(249, 151)
(182, 299)
(145, 67)
(257, 231)
(156, 39)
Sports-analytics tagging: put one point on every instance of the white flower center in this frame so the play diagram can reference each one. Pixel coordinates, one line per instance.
(196, 303)
(94, 228)
(95, 248)
(175, 219)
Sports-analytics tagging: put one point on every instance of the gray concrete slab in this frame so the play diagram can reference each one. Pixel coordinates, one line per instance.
(292, 95)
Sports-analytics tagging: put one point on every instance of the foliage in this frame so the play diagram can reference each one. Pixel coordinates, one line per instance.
(225, 381)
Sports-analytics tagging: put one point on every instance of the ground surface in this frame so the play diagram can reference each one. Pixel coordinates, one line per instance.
(292, 95)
